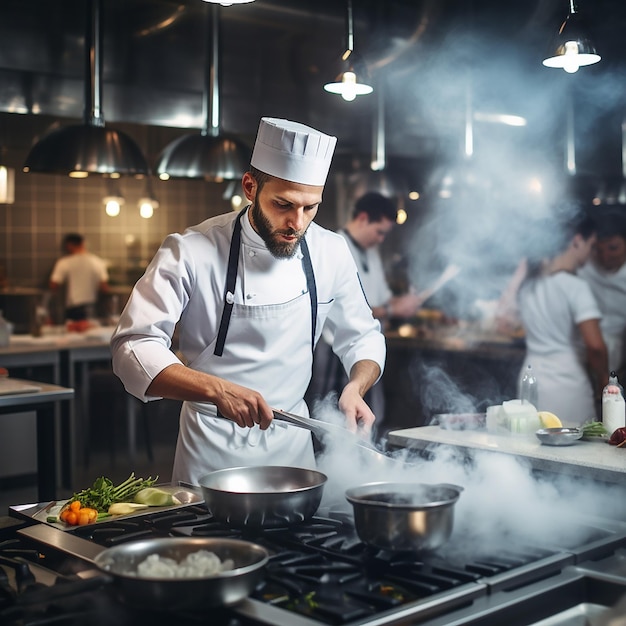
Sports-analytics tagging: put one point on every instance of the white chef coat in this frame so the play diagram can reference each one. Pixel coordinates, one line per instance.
(609, 289)
(186, 280)
(371, 272)
(82, 274)
(550, 309)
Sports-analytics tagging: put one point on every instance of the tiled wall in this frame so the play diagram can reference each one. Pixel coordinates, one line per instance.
(49, 206)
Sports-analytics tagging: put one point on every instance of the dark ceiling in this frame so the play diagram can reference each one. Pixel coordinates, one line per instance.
(437, 66)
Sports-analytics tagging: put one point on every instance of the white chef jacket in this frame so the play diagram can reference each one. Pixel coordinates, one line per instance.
(550, 309)
(609, 289)
(371, 272)
(185, 281)
(82, 274)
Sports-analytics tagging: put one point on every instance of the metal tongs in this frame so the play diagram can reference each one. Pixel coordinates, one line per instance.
(323, 429)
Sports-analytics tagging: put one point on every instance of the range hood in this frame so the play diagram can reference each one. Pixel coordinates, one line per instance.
(88, 148)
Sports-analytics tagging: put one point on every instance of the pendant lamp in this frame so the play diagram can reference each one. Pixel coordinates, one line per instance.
(90, 147)
(227, 3)
(352, 80)
(572, 48)
(211, 155)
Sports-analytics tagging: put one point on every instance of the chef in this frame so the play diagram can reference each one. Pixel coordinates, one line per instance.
(564, 343)
(606, 274)
(250, 293)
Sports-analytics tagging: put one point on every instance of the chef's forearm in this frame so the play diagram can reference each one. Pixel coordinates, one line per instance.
(178, 382)
(363, 375)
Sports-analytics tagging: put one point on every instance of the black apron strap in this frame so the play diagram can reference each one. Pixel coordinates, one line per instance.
(311, 286)
(231, 280)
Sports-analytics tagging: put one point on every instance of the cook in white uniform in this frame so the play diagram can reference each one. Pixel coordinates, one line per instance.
(606, 274)
(373, 217)
(252, 292)
(563, 337)
(84, 275)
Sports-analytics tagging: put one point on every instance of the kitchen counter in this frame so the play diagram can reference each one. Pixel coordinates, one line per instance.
(464, 359)
(595, 460)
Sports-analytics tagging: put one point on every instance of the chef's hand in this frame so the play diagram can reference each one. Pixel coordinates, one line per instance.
(244, 406)
(359, 417)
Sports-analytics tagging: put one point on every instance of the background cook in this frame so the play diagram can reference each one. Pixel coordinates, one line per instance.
(252, 292)
(561, 318)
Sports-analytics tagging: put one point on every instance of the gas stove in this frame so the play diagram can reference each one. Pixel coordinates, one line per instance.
(319, 574)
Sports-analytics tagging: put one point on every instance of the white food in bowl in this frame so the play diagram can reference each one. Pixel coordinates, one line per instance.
(201, 564)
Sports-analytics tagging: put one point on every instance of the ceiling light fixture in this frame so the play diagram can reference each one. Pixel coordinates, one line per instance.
(88, 148)
(227, 3)
(572, 48)
(148, 204)
(352, 79)
(7, 185)
(114, 200)
(211, 155)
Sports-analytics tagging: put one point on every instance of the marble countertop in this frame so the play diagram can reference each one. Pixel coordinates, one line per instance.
(595, 459)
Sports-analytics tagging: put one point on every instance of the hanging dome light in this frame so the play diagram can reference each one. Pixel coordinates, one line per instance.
(211, 155)
(88, 148)
(572, 48)
(227, 3)
(352, 80)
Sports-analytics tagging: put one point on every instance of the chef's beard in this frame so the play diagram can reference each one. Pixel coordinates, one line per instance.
(278, 248)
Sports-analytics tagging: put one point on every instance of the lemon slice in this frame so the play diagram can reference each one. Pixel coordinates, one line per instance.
(549, 420)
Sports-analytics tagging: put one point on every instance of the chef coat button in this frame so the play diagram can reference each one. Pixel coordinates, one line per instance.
(251, 253)
(230, 298)
(249, 296)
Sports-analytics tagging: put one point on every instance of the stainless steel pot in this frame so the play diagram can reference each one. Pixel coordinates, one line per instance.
(404, 516)
(179, 594)
(263, 497)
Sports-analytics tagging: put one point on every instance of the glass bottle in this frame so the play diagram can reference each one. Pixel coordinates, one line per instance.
(529, 388)
(613, 406)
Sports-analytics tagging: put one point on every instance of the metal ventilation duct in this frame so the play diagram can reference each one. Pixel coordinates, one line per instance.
(88, 148)
(211, 155)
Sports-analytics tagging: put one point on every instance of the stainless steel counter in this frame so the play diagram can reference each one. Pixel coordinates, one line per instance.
(595, 460)
(43, 403)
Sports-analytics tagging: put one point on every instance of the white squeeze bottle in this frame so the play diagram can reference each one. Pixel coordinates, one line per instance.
(613, 406)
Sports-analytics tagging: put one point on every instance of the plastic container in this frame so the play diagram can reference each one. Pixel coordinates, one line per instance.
(613, 405)
(529, 387)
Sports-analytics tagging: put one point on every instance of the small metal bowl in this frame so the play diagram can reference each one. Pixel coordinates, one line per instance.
(559, 436)
(182, 594)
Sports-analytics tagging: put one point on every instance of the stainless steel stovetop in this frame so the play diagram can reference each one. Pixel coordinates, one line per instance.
(320, 573)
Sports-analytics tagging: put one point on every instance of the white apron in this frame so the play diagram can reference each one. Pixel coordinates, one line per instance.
(564, 387)
(266, 348)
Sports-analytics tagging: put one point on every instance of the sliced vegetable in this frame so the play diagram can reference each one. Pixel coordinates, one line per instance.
(74, 514)
(103, 493)
(594, 429)
(153, 496)
(125, 508)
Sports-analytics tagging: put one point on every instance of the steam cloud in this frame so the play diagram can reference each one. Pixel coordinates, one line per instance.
(504, 502)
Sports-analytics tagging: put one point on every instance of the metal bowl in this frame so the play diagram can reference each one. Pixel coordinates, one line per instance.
(412, 517)
(175, 594)
(559, 436)
(263, 497)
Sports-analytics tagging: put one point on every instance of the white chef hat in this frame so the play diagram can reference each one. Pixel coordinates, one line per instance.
(292, 151)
